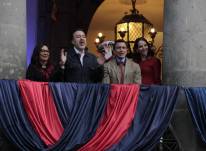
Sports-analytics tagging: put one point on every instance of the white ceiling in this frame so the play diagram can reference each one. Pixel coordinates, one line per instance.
(111, 11)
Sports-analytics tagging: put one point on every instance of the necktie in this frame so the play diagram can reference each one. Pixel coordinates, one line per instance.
(122, 68)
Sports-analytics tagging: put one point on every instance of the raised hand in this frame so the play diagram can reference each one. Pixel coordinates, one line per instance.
(108, 48)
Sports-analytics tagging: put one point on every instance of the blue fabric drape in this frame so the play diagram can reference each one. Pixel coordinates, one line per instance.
(13, 119)
(196, 98)
(154, 111)
(80, 108)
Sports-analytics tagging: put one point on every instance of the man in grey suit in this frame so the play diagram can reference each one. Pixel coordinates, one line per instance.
(121, 69)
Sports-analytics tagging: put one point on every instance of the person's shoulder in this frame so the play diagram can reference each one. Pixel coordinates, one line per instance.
(31, 66)
(52, 66)
(70, 51)
(110, 62)
(32, 69)
(155, 59)
(90, 54)
(133, 64)
(131, 61)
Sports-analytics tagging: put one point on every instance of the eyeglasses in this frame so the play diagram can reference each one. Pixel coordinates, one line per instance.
(44, 50)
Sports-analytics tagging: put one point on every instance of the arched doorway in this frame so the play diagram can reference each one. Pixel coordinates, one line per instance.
(111, 11)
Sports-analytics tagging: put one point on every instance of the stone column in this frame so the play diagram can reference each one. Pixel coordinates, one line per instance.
(12, 39)
(184, 61)
(185, 42)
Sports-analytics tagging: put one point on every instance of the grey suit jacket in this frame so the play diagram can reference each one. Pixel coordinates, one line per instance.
(112, 73)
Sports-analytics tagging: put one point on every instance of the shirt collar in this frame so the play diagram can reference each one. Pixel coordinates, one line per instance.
(78, 52)
(120, 60)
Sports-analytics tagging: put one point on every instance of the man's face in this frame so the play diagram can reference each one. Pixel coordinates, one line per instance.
(121, 49)
(79, 40)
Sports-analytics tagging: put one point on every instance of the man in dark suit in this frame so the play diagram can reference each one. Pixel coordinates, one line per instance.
(78, 64)
(121, 69)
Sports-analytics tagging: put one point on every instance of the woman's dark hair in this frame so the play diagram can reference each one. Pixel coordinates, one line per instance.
(35, 56)
(136, 55)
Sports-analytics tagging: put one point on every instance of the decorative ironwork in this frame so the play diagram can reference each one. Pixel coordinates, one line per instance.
(167, 142)
(135, 25)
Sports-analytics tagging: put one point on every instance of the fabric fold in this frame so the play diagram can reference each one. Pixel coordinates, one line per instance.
(14, 122)
(196, 99)
(97, 116)
(39, 105)
(118, 116)
(154, 111)
(80, 107)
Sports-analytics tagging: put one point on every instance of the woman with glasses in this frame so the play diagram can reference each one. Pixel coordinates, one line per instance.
(41, 68)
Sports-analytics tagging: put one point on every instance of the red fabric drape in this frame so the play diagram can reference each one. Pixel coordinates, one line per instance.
(118, 116)
(39, 105)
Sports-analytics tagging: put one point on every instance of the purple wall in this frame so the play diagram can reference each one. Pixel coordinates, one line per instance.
(31, 20)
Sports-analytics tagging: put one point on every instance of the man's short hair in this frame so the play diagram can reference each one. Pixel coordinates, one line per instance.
(78, 29)
(73, 31)
(120, 40)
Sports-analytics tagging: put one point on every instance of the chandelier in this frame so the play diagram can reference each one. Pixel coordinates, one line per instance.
(133, 26)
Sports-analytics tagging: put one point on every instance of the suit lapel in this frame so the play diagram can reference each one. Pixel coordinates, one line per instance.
(116, 70)
(127, 68)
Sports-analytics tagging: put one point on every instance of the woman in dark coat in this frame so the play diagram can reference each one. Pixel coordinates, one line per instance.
(41, 68)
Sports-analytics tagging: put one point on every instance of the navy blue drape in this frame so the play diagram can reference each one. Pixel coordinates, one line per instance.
(13, 120)
(196, 98)
(80, 108)
(155, 107)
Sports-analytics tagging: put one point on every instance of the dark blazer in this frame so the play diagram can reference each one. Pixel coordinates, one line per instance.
(90, 72)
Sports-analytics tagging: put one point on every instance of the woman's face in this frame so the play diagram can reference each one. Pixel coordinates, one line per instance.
(142, 48)
(44, 53)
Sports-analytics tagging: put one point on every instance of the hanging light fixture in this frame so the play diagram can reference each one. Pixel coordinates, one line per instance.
(133, 26)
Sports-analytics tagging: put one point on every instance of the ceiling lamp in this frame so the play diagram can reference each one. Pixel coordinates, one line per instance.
(133, 26)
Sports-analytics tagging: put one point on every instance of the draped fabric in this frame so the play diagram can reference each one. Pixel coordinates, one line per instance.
(118, 115)
(196, 98)
(90, 114)
(13, 119)
(80, 107)
(154, 111)
(89, 103)
(39, 105)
